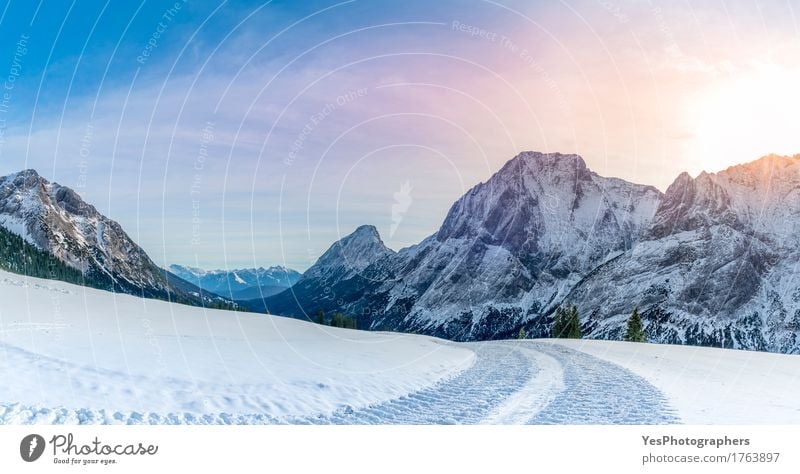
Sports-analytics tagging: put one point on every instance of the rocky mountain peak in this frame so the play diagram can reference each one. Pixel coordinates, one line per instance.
(544, 167)
(549, 194)
(765, 172)
(762, 195)
(25, 174)
(539, 159)
(351, 254)
(364, 233)
(22, 180)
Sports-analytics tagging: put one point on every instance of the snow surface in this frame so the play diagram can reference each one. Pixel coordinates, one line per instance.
(77, 355)
(70, 354)
(15, 226)
(708, 385)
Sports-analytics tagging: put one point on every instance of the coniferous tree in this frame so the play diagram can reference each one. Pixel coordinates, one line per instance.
(19, 256)
(350, 322)
(573, 329)
(567, 323)
(795, 323)
(559, 323)
(635, 331)
(337, 320)
(522, 334)
(320, 316)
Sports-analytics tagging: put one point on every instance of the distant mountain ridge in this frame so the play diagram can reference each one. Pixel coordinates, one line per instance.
(239, 284)
(710, 262)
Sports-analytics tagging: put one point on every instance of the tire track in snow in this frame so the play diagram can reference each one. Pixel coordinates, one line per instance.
(501, 369)
(515, 382)
(530, 399)
(599, 392)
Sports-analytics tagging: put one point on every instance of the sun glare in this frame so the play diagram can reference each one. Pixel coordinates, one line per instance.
(744, 119)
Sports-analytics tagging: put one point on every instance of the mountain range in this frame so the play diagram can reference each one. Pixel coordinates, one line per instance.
(239, 284)
(709, 262)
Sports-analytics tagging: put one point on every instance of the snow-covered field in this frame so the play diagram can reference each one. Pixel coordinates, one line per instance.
(69, 354)
(708, 385)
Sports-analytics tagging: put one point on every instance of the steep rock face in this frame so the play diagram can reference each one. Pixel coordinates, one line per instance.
(716, 267)
(55, 219)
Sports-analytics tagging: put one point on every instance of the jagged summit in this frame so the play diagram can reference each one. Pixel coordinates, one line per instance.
(350, 254)
(762, 167)
(550, 164)
(365, 231)
(338, 274)
(30, 172)
(766, 161)
(545, 158)
(365, 239)
(761, 196)
(536, 191)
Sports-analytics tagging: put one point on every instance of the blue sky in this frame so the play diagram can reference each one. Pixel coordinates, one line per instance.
(242, 133)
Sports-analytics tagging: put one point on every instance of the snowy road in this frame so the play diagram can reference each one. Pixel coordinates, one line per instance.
(510, 382)
(526, 382)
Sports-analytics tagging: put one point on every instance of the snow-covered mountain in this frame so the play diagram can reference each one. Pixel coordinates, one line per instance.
(506, 254)
(337, 276)
(718, 265)
(510, 248)
(54, 219)
(239, 284)
(710, 262)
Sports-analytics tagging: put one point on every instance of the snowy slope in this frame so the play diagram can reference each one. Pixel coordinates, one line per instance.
(72, 354)
(707, 385)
